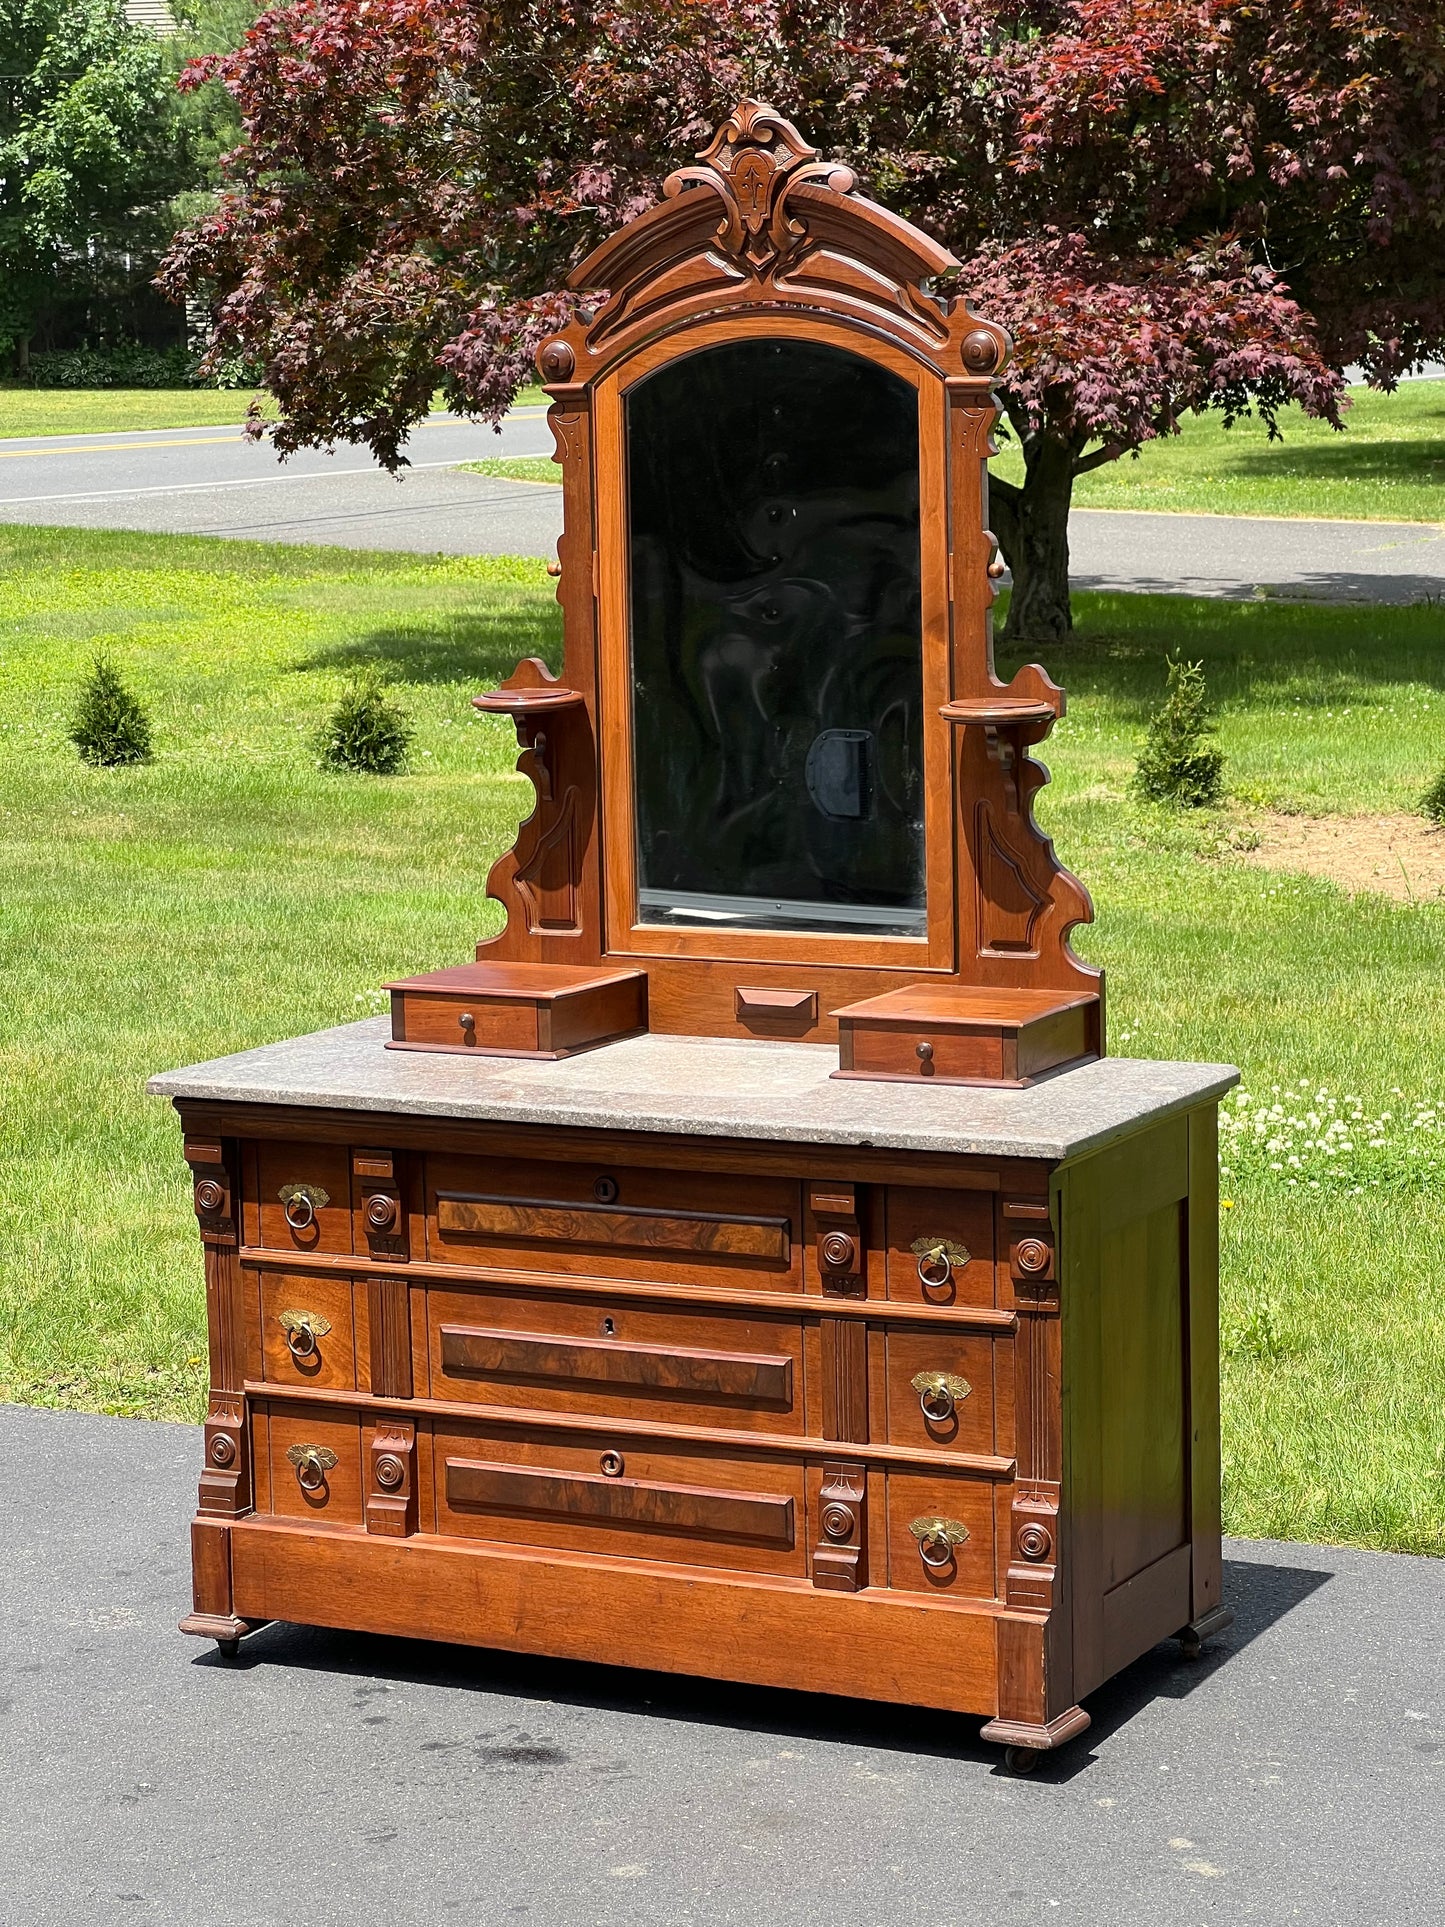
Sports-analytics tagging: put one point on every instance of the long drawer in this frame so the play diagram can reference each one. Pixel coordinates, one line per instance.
(618, 1222)
(552, 1352)
(628, 1497)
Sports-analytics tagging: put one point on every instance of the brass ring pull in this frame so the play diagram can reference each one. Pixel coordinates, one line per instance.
(302, 1329)
(312, 1463)
(937, 1260)
(940, 1394)
(301, 1202)
(936, 1540)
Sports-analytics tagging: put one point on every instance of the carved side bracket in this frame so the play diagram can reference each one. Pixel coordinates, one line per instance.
(840, 1553)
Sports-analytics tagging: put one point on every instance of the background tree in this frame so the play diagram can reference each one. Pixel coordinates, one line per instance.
(1173, 204)
(89, 157)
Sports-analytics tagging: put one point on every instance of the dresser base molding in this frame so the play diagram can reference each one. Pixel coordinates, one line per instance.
(876, 1644)
(1192, 1637)
(1042, 1737)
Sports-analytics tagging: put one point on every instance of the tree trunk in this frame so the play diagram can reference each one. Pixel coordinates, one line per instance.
(1032, 526)
(22, 355)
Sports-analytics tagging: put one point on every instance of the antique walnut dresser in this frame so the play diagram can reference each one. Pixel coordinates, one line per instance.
(751, 1265)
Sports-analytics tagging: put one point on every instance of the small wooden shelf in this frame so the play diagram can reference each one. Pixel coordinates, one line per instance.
(526, 702)
(993, 712)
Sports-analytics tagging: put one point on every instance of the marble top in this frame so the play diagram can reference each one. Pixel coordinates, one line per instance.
(707, 1087)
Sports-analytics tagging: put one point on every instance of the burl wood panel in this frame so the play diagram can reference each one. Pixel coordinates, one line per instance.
(689, 1505)
(668, 1227)
(555, 1353)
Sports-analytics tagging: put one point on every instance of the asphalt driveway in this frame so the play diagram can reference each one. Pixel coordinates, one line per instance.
(1295, 1774)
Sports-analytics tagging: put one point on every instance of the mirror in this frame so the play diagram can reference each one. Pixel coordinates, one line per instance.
(777, 660)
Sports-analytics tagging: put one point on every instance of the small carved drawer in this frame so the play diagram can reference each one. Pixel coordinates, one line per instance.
(940, 1246)
(308, 1331)
(668, 1227)
(586, 1492)
(941, 1534)
(935, 1388)
(298, 1197)
(558, 1353)
(314, 1463)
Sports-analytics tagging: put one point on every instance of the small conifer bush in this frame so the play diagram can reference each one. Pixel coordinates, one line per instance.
(110, 726)
(1177, 765)
(1433, 801)
(366, 731)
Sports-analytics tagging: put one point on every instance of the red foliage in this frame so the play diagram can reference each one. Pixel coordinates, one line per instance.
(1174, 204)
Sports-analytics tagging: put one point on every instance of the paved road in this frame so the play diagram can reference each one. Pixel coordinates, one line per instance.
(335, 1780)
(209, 481)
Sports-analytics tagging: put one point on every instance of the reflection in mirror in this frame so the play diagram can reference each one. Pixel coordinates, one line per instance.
(776, 641)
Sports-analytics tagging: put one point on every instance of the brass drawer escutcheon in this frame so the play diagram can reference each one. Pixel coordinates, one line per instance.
(940, 1394)
(937, 1260)
(312, 1463)
(302, 1329)
(936, 1539)
(301, 1202)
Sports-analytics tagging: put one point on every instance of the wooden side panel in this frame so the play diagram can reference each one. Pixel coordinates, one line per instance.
(1142, 1352)
(875, 1644)
(1202, 1258)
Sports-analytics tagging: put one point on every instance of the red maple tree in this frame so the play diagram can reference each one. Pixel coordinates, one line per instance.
(1174, 205)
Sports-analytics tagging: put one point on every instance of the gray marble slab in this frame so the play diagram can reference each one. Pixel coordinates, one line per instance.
(707, 1087)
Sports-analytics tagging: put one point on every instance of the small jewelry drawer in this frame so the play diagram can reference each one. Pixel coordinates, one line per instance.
(934, 1388)
(629, 1497)
(560, 1353)
(308, 1334)
(940, 1246)
(315, 1464)
(666, 1227)
(941, 1534)
(298, 1197)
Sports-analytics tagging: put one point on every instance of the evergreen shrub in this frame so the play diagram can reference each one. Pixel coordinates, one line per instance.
(1177, 765)
(110, 726)
(365, 731)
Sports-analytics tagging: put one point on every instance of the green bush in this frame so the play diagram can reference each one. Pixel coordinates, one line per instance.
(110, 727)
(130, 366)
(1433, 801)
(365, 731)
(1177, 765)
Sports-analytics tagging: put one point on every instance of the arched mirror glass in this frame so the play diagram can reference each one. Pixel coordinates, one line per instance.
(776, 641)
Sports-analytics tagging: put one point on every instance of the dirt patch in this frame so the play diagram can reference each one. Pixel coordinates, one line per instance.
(1400, 856)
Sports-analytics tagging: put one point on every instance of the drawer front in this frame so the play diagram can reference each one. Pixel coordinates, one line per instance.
(937, 1389)
(628, 1497)
(566, 1354)
(668, 1227)
(299, 1197)
(494, 1023)
(308, 1332)
(941, 1534)
(315, 1463)
(940, 1246)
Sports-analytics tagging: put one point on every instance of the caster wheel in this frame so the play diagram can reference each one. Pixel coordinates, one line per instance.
(1191, 1646)
(228, 1648)
(1021, 1759)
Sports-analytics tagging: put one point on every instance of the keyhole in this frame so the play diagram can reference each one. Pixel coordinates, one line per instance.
(609, 1329)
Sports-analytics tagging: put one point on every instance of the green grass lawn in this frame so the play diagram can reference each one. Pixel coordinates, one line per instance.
(1388, 465)
(107, 411)
(231, 894)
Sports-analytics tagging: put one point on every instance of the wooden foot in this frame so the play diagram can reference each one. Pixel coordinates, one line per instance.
(1025, 1737)
(1192, 1637)
(225, 1628)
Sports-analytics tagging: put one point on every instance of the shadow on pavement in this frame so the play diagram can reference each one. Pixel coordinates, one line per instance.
(1260, 1594)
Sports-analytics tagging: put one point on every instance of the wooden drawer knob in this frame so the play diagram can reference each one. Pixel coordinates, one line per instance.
(381, 1212)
